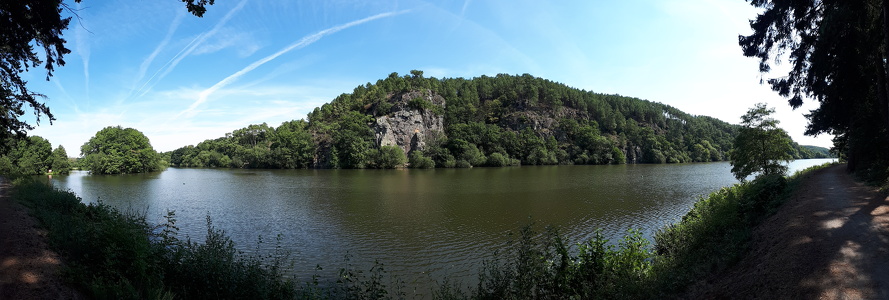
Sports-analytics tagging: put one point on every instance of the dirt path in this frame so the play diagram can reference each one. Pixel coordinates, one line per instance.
(28, 269)
(829, 241)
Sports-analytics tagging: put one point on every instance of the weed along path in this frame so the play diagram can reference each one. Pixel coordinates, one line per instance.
(829, 241)
(28, 269)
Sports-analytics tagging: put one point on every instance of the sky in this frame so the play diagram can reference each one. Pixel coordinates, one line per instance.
(180, 79)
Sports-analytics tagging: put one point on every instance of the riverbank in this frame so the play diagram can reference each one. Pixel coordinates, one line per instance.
(119, 255)
(829, 241)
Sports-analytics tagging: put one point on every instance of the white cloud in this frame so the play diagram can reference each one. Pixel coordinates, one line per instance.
(305, 41)
(244, 43)
(188, 50)
(160, 47)
(233, 108)
(74, 132)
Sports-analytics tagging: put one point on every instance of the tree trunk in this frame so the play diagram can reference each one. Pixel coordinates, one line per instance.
(883, 89)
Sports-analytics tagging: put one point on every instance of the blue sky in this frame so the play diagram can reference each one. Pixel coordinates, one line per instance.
(181, 79)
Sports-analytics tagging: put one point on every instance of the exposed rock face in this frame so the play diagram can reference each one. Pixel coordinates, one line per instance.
(542, 122)
(407, 127)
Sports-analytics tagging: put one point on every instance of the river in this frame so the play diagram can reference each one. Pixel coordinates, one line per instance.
(421, 224)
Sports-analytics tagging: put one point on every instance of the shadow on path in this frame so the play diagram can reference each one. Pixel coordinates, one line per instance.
(28, 269)
(829, 241)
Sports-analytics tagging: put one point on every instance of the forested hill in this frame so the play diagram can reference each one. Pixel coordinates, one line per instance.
(484, 121)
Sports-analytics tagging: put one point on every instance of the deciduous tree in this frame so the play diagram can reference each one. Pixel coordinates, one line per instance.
(60, 163)
(760, 146)
(117, 150)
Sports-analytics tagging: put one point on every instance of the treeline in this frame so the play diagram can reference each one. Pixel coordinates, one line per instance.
(814, 151)
(113, 150)
(487, 121)
(33, 155)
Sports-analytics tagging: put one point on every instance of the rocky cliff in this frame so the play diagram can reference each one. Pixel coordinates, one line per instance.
(411, 120)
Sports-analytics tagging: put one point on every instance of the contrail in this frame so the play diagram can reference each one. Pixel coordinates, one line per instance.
(170, 65)
(305, 41)
(163, 44)
(83, 49)
(465, 6)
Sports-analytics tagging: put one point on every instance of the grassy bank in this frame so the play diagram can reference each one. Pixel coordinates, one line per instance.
(714, 235)
(111, 254)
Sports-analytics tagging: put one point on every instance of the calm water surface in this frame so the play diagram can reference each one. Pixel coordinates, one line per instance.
(421, 224)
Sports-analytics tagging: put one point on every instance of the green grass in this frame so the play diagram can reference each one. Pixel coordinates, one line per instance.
(111, 254)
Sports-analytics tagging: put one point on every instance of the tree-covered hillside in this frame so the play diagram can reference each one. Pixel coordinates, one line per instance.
(818, 152)
(484, 121)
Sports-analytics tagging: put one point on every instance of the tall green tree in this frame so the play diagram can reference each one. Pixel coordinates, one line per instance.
(760, 146)
(838, 56)
(29, 30)
(31, 155)
(293, 146)
(352, 141)
(117, 150)
(60, 163)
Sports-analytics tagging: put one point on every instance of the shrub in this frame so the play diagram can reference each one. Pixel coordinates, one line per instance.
(449, 162)
(497, 160)
(542, 267)
(473, 156)
(417, 160)
(389, 157)
(460, 163)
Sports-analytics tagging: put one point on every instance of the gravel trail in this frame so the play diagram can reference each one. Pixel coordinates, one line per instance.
(829, 241)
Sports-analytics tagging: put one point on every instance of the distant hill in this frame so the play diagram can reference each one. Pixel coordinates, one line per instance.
(483, 121)
(815, 152)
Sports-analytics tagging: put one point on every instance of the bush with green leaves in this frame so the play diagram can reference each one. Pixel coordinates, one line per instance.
(501, 160)
(542, 266)
(419, 161)
(389, 157)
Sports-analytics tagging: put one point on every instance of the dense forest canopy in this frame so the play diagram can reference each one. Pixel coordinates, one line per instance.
(483, 121)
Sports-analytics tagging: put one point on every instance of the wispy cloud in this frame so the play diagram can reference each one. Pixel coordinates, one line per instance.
(244, 43)
(160, 47)
(68, 100)
(271, 104)
(83, 50)
(194, 44)
(305, 41)
(465, 7)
